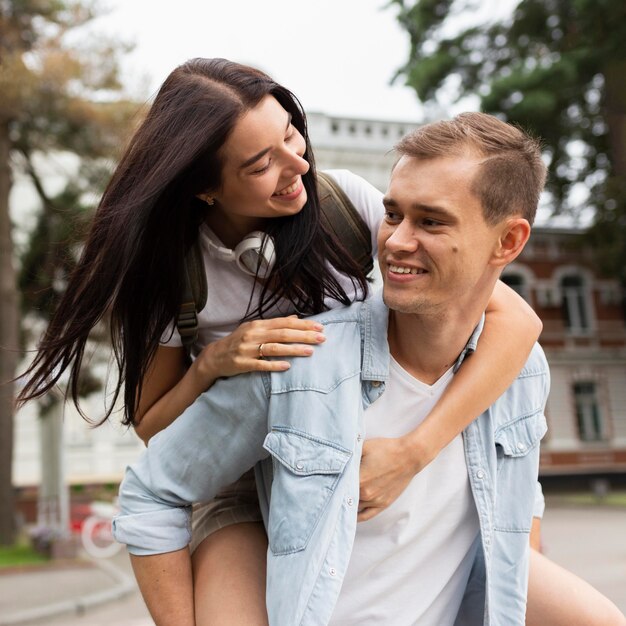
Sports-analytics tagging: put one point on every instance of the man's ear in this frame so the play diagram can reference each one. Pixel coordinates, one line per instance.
(513, 237)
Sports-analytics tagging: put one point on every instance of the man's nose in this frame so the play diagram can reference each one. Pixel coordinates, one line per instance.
(404, 238)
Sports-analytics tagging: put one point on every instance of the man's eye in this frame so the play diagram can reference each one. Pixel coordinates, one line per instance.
(430, 222)
(392, 216)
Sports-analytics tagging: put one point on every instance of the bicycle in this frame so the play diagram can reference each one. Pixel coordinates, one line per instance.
(96, 532)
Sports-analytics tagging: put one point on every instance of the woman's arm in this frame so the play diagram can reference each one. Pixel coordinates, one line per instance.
(387, 466)
(169, 388)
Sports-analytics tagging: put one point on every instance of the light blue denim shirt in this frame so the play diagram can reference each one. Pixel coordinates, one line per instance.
(302, 429)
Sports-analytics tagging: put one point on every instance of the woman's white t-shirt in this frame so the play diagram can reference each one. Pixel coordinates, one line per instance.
(231, 292)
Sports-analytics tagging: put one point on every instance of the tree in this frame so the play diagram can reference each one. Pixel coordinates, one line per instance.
(55, 98)
(557, 68)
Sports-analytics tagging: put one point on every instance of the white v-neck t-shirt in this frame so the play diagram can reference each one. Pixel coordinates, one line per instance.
(410, 564)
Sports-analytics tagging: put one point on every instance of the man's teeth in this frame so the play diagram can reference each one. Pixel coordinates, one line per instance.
(406, 270)
(288, 190)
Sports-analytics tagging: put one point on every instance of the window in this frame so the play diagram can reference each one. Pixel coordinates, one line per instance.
(588, 414)
(516, 282)
(575, 304)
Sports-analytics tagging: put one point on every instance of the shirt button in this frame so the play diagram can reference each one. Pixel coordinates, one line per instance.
(358, 437)
(299, 466)
(332, 571)
(350, 500)
(521, 447)
(480, 474)
(376, 383)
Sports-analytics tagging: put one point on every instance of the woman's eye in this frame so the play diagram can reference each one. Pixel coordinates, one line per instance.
(262, 169)
(391, 216)
(291, 132)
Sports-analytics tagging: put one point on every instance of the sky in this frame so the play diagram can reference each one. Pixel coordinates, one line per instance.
(337, 56)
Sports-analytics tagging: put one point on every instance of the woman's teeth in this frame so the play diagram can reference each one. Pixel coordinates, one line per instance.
(287, 190)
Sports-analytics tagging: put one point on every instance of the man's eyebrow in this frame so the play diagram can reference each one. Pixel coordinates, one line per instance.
(262, 153)
(423, 208)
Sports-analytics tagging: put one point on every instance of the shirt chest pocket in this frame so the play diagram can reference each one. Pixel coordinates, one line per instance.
(306, 472)
(517, 449)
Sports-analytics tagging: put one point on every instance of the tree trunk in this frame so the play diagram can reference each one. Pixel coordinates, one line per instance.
(615, 108)
(9, 346)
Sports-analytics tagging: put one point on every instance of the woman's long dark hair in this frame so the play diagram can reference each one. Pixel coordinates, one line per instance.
(149, 215)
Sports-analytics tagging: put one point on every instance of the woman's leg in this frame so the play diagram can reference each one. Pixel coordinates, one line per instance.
(557, 597)
(229, 577)
(229, 547)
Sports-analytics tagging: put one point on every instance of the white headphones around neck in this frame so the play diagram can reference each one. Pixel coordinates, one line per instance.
(255, 250)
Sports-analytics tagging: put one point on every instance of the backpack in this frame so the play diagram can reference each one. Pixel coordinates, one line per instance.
(338, 214)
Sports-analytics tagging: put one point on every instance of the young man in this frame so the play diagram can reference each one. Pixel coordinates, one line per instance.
(453, 547)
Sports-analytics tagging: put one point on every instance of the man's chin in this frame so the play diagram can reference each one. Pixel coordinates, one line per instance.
(405, 304)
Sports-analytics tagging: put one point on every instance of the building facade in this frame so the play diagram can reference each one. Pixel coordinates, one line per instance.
(584, 337)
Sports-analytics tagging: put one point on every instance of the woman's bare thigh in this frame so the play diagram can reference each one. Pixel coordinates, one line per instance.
(556, 597)
(229, 577)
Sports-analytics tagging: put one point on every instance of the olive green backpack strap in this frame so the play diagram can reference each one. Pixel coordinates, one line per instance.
(340, 217)
(194, 296)
(345, 222)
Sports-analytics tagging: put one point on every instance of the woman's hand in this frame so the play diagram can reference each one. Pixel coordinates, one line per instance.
(387, 467)
(240, 351)
(169, 388)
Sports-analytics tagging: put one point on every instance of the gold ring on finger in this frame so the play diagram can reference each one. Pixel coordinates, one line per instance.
(261, 355)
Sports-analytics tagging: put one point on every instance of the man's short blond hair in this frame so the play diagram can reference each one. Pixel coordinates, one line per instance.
(512, 173)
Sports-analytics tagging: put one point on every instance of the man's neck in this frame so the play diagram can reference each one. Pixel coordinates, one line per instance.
(426, 345)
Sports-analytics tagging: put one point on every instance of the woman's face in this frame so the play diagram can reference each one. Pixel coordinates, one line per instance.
(262, 173)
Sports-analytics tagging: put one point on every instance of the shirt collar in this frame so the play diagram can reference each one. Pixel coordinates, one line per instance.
(470, 346)
(374, 323)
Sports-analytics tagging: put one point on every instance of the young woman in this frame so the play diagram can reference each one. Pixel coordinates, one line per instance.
(223, 153)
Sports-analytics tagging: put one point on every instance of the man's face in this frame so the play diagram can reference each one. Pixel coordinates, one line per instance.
(434, 246)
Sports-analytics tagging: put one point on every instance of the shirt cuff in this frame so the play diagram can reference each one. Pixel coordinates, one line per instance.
(154, 532)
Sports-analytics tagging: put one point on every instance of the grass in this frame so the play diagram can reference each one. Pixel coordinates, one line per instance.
(22, 553)
(613, 498)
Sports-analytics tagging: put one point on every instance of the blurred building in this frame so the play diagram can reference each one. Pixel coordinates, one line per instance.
(584, 337)
(361, 146)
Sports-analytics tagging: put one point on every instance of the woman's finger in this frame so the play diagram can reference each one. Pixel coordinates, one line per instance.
(261, 365)
(282, 349)
(291, 322)
(284, 336)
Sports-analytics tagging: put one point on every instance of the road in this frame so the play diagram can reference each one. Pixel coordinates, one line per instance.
(591, 542)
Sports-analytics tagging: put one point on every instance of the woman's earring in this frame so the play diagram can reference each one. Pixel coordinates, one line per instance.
(209, 201)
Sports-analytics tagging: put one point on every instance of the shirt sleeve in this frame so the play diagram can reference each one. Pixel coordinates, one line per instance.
(214, 441)
(367, 200)
(171, 337)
